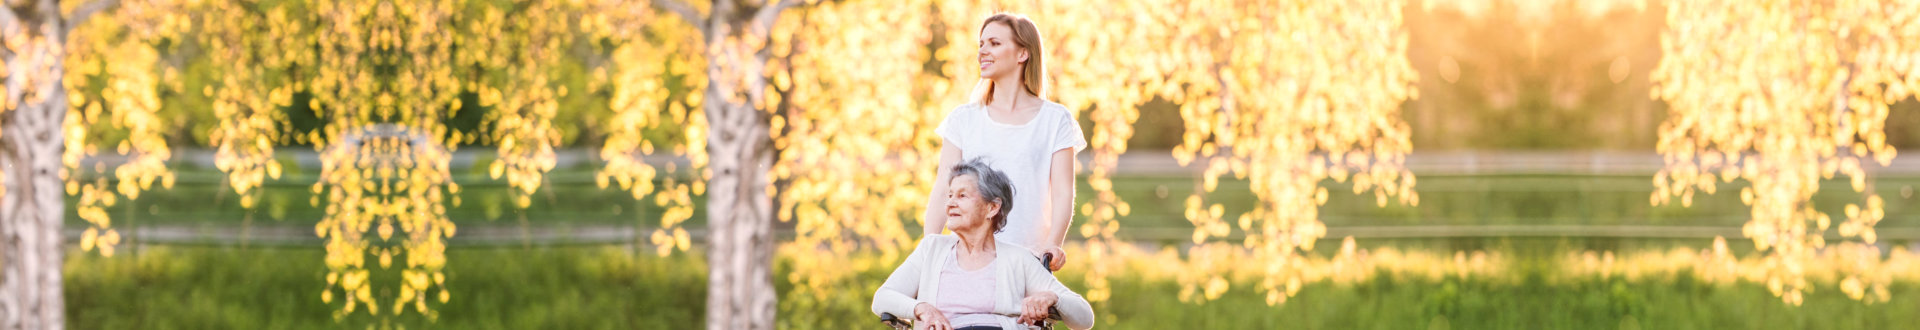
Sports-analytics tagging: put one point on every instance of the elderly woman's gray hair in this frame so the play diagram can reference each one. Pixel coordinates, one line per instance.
(993, 185)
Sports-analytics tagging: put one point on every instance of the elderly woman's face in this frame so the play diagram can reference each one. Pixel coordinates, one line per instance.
(965, 207)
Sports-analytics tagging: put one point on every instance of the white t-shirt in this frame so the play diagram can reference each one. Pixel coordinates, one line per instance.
(1024, 152)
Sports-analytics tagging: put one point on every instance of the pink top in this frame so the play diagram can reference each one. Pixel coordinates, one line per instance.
(966, 296)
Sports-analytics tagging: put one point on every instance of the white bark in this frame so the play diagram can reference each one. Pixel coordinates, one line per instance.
(740, 292)
(30, 145)
(739, 213)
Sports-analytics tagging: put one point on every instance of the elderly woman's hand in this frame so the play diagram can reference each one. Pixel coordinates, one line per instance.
(1035, 307)
(931, 317)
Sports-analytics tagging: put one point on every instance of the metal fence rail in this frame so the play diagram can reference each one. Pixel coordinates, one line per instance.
(507, 235)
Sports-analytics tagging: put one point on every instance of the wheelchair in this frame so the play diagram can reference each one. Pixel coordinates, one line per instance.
(1053, 313)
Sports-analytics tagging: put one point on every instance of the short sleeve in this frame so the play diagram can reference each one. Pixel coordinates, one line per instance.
(951, 128)
(1067, 134)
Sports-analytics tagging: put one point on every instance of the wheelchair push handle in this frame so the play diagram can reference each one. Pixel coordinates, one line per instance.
(1053, 312)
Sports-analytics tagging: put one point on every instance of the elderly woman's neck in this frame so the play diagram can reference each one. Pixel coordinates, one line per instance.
(975, 242)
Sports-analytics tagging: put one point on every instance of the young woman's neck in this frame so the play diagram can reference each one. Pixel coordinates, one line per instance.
(1008, 94)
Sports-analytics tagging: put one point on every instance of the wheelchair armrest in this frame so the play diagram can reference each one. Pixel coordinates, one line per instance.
(894, 321)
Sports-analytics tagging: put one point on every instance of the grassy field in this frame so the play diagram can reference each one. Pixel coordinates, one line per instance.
(611, 287)
(1158, 203)
(607, 287)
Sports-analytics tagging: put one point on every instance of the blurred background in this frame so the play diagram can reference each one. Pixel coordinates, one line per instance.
(1392, 164)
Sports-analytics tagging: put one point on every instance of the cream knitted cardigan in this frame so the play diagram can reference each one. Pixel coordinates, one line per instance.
(917, 280)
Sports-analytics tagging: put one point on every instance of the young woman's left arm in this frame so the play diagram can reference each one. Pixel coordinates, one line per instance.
(1059, 211)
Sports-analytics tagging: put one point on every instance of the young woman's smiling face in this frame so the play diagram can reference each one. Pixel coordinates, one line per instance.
(965, 207)
(1000, 56)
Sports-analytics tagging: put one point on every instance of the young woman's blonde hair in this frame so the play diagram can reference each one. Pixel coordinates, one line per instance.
(1033, 74)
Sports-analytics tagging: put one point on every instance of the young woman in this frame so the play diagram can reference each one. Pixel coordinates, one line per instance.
(968, 280)
(1010, 124)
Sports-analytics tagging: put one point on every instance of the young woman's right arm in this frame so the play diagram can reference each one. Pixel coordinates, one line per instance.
(936, 215)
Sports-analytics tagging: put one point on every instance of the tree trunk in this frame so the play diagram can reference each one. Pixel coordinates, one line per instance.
(740, 293)
(740, 241)
(31, 112)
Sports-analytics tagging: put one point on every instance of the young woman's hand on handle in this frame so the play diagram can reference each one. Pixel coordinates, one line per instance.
(1059, 257)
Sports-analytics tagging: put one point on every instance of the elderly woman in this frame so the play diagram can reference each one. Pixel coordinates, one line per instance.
(969, 281)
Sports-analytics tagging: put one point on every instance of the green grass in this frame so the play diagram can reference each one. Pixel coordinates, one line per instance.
(1158, 203)
(222, 288)
(600, 287)
(1470, 304)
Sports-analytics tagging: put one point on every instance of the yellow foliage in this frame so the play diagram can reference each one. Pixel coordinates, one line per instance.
(1783, 94)
(857, 147)
(383, 84)
(1287, 96)
(642, 103)
(119, 49)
